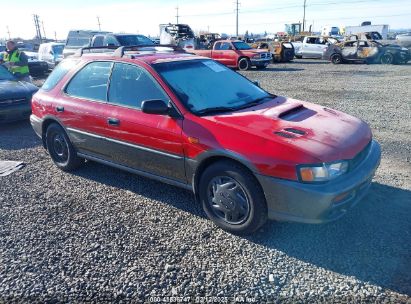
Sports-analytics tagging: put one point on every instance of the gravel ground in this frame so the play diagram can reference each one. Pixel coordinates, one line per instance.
(103, 235)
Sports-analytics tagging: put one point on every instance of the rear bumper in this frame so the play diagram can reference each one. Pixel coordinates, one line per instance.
(15, 112)
(36, 123)
(320, 203)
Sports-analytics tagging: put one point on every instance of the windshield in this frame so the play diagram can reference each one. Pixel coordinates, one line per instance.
(78, 41)
(241, 46)
(5, 74)
(126, 40)
(203, 85)
(58, 49)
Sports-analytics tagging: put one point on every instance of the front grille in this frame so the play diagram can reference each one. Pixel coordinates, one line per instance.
(12, 101)
(357, 160)
(265, 55)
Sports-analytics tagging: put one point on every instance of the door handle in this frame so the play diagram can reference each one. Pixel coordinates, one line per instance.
(113, 121)
(60, 109)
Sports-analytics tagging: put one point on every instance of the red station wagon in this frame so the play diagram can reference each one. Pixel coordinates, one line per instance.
(189, 121)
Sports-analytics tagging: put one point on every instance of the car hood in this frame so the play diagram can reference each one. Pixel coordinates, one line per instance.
(324, 134)
(16, 89)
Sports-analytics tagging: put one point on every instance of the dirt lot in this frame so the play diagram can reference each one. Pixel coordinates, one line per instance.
(100, 234)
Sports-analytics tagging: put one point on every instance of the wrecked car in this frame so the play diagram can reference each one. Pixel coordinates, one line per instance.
(281, 51)
(177, 34)
(366, 51)
(189, 121)
(312, 46)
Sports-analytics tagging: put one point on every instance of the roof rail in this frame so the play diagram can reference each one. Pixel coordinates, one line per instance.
(80, 52)
(119, 52)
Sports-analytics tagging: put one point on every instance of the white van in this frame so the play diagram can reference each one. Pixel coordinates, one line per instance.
(52, 53)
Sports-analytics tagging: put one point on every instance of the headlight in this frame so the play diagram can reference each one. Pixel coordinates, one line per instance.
(322, 173)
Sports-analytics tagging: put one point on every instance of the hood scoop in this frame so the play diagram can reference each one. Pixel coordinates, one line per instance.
(290, 133)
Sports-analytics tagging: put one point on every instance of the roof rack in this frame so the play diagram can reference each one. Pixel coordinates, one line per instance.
(119, 52)
(80, 52)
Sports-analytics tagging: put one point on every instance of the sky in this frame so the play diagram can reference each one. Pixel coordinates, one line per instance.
(144, 16)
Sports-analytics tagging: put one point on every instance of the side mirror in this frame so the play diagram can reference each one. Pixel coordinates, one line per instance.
(154, 106)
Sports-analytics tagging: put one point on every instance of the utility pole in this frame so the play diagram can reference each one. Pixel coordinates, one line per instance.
(8, 32)
(98, 22)
(304, 16)
(37, 25)
(44, 32)
(55, 36)
(236, 24)
(177, 14)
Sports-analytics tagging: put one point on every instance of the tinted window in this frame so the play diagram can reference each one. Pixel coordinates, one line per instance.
(78, 41)
(131, 85)
(58, 73)
(91, 82)
(58, 49)
(241, 46)
(110, 40)
(134, 40)
(217, 46)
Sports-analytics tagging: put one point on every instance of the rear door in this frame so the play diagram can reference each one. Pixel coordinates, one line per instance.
(82, 109)
(349, 51)
(146, 142)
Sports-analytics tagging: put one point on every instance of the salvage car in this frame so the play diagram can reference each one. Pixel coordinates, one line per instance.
(366, 51)
(190, 121)
(15, 97)
(36, 66)
(281, 51)
(312, 46)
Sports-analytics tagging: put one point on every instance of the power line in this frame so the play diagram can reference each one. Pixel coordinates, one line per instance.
(304, 16)
(98, 22)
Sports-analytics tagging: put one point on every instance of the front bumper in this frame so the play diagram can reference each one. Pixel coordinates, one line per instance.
(15, 112)
(320, 203)
(261, 62)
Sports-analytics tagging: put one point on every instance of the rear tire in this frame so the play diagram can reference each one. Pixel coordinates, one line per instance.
(232, 198)
(244, 64)
(60, 149)
(387, 58)
(336, 58)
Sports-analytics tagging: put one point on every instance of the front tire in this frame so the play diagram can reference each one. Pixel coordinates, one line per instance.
(232, 198)
(244, 64)
(387, 58)
(60, 149)
(336, 58)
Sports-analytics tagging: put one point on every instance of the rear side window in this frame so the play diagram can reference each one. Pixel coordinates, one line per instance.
(58, 74)
(131, 85)
(91, 82)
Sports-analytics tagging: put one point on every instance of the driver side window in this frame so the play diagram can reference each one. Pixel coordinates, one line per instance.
(130, 85)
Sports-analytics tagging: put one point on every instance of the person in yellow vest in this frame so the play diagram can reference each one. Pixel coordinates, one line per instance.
(16, 61)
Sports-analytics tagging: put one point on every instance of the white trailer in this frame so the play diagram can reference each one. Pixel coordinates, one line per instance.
(353, 30)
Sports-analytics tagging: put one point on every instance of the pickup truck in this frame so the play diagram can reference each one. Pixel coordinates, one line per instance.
(312, 46)
(236, 54)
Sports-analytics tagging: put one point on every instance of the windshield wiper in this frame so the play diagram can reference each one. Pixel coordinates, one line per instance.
(255, 102)
(215, 110)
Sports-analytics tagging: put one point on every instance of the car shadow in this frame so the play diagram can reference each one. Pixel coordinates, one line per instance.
(22, 130)
(309, 61)
(149, 188)
(372, 242)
